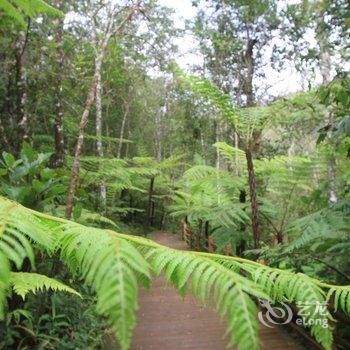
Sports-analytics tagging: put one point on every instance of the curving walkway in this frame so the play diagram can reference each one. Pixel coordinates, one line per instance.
(166, 322)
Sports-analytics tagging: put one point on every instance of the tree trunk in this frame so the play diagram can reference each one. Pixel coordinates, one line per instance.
(217, 139)
(235, 140)
(4, 140)
(99, 145)
(76, 163)
(58, 157)
(158, 135)
(248, 60)
(22, 116)
(279, 237)
(322, 35)
(206, 233)
(151, 202)
(199, 234)
(128, 144)
(253, 198)
(241, 245)
(122, 129)
(89, 100)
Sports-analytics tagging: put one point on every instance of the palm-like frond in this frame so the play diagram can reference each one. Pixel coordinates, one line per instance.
(211, 281)
(321, 226)
(18, 9)
(113, 264)
(302, 290)
(18, 233)
(25, 282)
(110, 266)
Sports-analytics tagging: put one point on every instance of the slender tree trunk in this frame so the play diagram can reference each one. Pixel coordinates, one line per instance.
(217, 139)
(241, 246)
(249, 93)
(99, 145)
(22, 116)
(249, 63)
(162, 220)
(322, 36)
(290, 151)
(128, 145)
(122, 129)
(76, 163)
(235, 140)
(199, 234)
(89, 100)
(3, 137)
(279, 237)
(151, 202)
(206, 232)
(253, 198)
(58, 157)
(158, 135)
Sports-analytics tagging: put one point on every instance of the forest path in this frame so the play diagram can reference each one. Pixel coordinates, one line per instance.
(166, 322)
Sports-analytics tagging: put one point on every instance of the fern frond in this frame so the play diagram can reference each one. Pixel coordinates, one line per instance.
(18, 231)
(32, 8)
(233, 156)
(18, 9)
(4, 283)
(341, 298)
(12, 12)
(302, 290)
(113, 264)
(90, 218)
(212, 281)
(25, 282)
(109, 265)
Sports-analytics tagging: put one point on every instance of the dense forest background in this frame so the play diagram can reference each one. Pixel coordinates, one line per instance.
(101, 125)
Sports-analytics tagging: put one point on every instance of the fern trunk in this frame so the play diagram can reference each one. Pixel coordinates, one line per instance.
(253, 198)
(3, 138)
(122, 129)
(58, 157)
(322, 34)
(151, 202)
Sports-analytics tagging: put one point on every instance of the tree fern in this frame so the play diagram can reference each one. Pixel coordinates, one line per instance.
(4, 283)
(113, 264)
(210, 280)
(109, 265)
(321, 226)
(25, 282)
(18, 232)
(18, 9)
(301, 290)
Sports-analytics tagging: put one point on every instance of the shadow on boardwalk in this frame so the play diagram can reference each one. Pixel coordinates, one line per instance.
(166, 322)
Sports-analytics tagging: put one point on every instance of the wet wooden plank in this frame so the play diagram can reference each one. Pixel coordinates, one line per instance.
(166, 322)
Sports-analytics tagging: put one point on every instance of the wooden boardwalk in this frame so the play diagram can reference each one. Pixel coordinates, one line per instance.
(166, 322)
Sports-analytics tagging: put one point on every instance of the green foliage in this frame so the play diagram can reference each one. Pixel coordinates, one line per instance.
(113, 264)
(303, 291)
(28, 179)
(336, 97)
(19, 9)
(245, 121)
(210, 195)
(109, 265)
(25, 282)
(54, 321)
